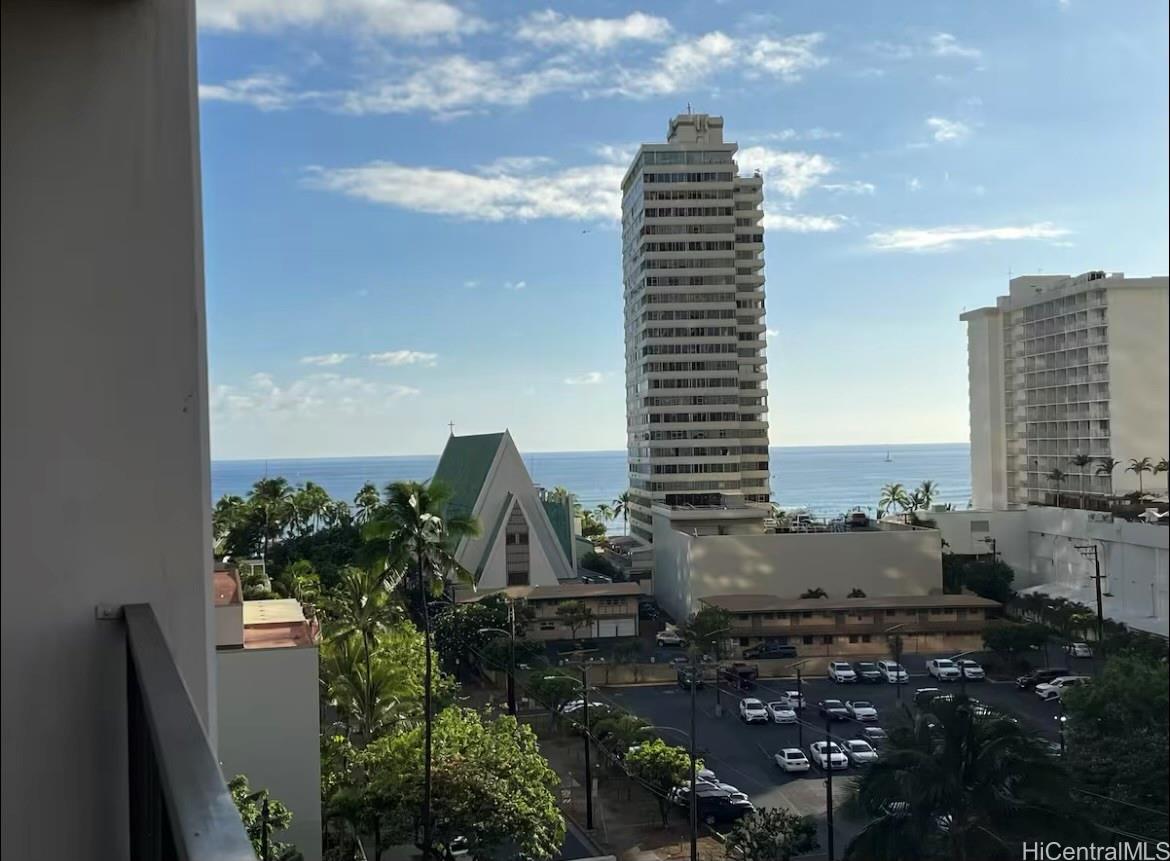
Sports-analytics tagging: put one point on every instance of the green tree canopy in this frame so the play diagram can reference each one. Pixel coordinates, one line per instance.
(706, 631)
(1117, 745)
(250, 804)
(491, 784)
(964, 786)
(1011, 640)
(554, 690)
(772, 834)
(662, 767)
(574, 615)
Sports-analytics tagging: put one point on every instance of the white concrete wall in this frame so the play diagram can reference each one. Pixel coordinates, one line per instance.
(985, 394)
(686, 568)
(1139, 380)
(541, 570)
(1040, 544)
(269, 730)
(105, 457)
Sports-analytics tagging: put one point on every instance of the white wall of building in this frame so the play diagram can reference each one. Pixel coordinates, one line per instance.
(985, 384)
(105, 454)
(1041, 545)
(541, 569)
(1139, 377)
(884, 562)
(269, 730)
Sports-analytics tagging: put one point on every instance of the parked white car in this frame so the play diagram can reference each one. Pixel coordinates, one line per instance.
(576, 706)
(836, 757)
(943, 669)
(1078, 650)
(782, 712)
(753, 711)
(842, 672)
(1055, 689)
(893, 672)
(860, 751)
(861, 710)
(793, 699)
(669, 637)
(971, 670)
(792, 759)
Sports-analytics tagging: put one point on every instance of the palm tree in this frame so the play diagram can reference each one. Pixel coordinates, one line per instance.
(228, 513)
(621, 506)
(1105, 467)
(298, 581)
(1138, 466)
(366, 501)
(605, 513)
(1057, 476)
(362, 604)
(418, 534)
(361, 686)
(1080, 461)
(1162, 466)
(927, 491)
(960, 783)
(891, 495)
(271, 497)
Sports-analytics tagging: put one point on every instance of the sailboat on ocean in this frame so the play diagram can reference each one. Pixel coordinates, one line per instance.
(888, 458)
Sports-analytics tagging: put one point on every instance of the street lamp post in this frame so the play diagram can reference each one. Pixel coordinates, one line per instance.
(800, 702)
(511, 635)
(694, 801)
(828, 760)
(1061, 719)
(988, 540)
(962, 672)
(585, 737)
(897, 644)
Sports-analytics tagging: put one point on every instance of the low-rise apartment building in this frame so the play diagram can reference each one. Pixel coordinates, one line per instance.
(857, 626)
(614, 607)
(267, 704)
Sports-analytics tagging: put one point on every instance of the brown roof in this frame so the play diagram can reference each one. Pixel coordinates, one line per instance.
(276, 623)
(562, 592)
(773, 603)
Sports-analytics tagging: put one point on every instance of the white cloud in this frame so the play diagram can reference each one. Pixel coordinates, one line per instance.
(943, 238)
(690, 62)
(514, 164)
(589, 378)
(264, 91)
(325, 360)
(515, 285)
(946, 131)
(324, 393)
(914, 184)
(790, 173)
(406, 19)
(771, 333)
(395, 358)
(946, 45)
(551, 29)
(586, 193)
(471, 284)
(814, 134)
(786, 58)
(793, 222)
(854, 187)
(456, 84)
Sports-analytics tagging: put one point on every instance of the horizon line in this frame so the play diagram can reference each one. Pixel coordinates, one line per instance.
(891, 445)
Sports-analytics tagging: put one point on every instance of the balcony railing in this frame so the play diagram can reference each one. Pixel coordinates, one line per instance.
(180, 806)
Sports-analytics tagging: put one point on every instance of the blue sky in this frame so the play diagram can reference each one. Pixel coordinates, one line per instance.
(410, 208)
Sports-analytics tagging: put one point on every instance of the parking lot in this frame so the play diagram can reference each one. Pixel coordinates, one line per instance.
(742, 755)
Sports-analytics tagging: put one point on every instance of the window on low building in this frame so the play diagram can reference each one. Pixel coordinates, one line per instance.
(808, 641)
(865, 638)
(827, 640)
(853, 638)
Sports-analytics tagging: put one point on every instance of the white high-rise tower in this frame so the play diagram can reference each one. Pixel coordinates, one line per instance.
(692, 267)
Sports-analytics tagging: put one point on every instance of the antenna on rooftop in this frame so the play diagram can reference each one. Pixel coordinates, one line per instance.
(688, 107)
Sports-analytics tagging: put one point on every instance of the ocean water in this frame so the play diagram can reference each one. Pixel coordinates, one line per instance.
(825, 480)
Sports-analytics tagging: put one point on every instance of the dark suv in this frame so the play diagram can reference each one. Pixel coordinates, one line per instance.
(769, 650)
(867, 671)
(1039, 677)
(684, 678)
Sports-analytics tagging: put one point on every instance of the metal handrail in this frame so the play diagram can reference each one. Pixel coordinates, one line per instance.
(180, 806)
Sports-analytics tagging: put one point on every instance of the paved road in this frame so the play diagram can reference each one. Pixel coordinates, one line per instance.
(742, 755)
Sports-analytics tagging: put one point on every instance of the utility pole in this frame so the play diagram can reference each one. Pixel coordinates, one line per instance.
(694, 799)
(800, 708)
(1061, 719)
(264, 854)
(828, 760)
(1090, 551)
(512, 658)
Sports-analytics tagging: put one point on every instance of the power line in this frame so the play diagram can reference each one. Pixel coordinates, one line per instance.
(1162, 813)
